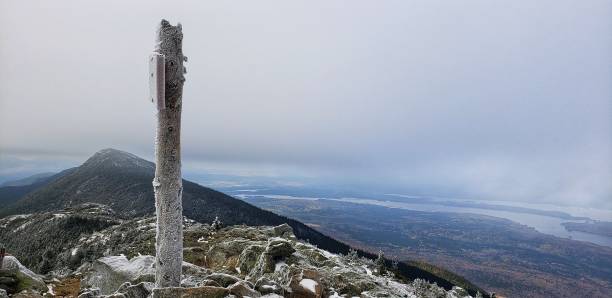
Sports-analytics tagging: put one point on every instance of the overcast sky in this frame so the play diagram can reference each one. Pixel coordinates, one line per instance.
(487, 99)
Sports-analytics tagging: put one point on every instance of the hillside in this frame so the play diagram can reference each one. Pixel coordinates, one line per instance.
(122, 182)
(12, 191)
(505, 257)
(27, 180)
(240, 260)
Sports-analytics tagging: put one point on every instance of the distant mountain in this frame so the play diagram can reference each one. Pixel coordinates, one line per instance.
(14, 190)
(28, 180)
(123, 182)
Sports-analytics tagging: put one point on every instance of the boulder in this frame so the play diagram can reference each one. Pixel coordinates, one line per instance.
(13, 270)
(3, 294)
(193, 275)
(248, 258)
(279, 248)
(191, 282)
(311, 274)
(200, 292)
(242, 289)
(140, 290)
(220, 254)
(8, 281)
(266, 286)
(284, 230)
(109, 273)
(305, 288)
(352, 283)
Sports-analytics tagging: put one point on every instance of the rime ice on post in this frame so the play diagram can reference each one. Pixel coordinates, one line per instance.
(2, 253)
(166, 79)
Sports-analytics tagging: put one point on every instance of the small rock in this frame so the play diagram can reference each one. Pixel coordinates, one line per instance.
(191, 282)
(223, 279)
(140, 290)
(271, 296)
(28, 294)
(90, 293)
(267, 286)
(208, 282)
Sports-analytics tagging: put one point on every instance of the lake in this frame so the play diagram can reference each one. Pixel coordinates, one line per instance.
(543, 224)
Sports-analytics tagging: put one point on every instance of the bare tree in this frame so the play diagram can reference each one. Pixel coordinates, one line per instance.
(167, 90)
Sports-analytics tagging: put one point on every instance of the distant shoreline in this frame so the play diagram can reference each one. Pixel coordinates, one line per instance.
(602, 228)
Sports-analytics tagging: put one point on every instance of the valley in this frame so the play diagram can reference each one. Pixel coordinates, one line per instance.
(497, 254)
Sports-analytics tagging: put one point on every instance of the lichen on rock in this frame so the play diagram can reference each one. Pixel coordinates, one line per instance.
(234, 261)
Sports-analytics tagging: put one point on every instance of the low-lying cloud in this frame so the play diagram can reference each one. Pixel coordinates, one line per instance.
(473, 99)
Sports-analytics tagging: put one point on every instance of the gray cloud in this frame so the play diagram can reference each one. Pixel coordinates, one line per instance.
(495, 101)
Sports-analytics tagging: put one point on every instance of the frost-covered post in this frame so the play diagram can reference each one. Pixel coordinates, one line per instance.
(166, 75)
(2, 253)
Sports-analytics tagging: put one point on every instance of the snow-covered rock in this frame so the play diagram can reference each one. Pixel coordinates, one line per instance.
(235, 261)
(109, 273)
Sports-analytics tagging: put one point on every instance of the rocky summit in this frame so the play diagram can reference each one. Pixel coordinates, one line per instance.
(116, 260)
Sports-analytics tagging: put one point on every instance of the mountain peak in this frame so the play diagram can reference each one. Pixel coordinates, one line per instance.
(113, 158)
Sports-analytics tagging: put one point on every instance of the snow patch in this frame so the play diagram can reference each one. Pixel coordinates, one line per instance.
(309, 285)
(279, 266)
(10, 219)
(368, 271)
(50, 290)
(269, 287)
(328, 254)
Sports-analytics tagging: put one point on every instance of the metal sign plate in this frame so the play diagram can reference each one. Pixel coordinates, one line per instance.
(157, 80)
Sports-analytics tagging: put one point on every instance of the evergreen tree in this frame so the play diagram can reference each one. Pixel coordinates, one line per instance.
(380, 263)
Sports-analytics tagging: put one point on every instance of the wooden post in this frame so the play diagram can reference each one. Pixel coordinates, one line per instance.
(166, 78)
